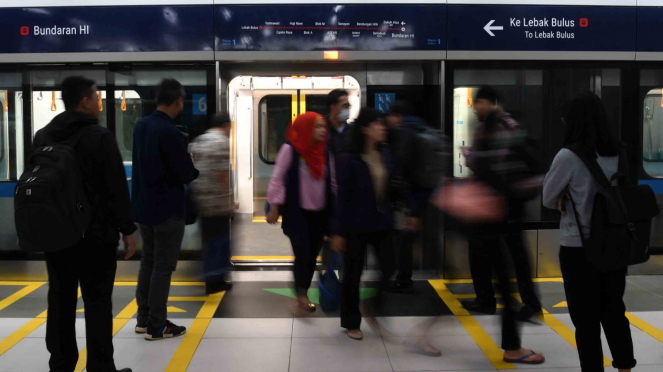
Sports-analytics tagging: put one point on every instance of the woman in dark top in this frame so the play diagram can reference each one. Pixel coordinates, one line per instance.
(363, 214)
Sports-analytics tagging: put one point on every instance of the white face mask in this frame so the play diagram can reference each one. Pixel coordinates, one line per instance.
(344, 115)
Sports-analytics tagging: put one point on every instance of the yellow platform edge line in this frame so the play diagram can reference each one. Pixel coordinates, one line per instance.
(184, 354)
(493, 352)
(645, 327)
(19, 295)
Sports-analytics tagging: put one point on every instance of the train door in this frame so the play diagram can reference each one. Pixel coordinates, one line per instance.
(261, 109)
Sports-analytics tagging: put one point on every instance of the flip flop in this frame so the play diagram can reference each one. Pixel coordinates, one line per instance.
(522, 360)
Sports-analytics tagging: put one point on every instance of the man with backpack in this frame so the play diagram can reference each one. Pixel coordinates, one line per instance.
(161, 168)
(72, 202)
(420, 160)
(498, 133)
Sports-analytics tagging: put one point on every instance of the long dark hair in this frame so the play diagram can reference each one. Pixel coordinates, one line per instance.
(357, 138)
(587, 125)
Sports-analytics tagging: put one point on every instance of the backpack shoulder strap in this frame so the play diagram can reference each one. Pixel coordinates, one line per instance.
(593, 167)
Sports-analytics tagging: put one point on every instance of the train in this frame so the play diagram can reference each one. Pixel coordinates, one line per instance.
(264, 62)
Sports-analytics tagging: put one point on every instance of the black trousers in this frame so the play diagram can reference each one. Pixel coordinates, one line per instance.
(480, 267)
(596, 299)
(489, 243)
(94, 267)
(306, 254)
(353, 266)
(405, 241)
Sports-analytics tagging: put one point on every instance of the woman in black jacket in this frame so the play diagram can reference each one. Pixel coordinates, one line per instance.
(363, 214)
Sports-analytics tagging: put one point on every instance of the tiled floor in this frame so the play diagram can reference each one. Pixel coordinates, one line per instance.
(251, 340)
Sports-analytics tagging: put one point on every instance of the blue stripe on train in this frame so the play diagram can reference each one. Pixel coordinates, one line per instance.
(656, 185)
(7, 189)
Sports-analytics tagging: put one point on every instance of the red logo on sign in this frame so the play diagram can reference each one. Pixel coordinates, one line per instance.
(584, 22)
(25, 30)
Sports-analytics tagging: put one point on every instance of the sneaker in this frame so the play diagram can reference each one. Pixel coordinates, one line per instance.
(355, 334)
(216, 287)
(480, 306)
(169, 330)
(141, 328)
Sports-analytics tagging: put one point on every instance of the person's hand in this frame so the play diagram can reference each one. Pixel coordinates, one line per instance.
(465, 150)
(129, 246)
(561, 202)
(337, 243)
(412, 224)
(273, 215)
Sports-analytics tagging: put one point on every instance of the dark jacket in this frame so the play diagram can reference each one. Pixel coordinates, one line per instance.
(356, 210)
(161, 168)
(403, 144)
(102, 173)
(337, 142)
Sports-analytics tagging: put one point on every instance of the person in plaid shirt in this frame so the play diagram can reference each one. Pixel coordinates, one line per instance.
(213, 195)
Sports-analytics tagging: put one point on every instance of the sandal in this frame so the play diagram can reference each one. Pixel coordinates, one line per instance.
(523, 359)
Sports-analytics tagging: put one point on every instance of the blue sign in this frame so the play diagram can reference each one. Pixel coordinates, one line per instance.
(542, 28)
(383, 102)
(199, 104)
(330, 27)
(650, 38)
(106, 29)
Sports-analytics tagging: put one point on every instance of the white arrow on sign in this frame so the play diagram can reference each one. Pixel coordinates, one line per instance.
(489, 28)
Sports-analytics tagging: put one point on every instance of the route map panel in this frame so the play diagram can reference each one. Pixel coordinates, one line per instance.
(330, 27)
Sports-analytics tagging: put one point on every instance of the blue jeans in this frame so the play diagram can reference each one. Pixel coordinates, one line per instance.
(216, 247)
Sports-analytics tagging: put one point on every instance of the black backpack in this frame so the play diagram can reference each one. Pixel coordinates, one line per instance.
(621, 219)
(51, 209)
(433, 158)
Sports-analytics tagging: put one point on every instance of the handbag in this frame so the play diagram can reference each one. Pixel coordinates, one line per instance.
(470, 202)
(329, 286)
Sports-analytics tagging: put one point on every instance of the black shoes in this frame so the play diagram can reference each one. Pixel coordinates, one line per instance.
(526, 314)
(480, 306)
(124, 370)
(169, 330)
(216, 287)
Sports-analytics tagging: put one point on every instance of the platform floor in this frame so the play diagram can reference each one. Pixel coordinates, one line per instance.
(251, 328)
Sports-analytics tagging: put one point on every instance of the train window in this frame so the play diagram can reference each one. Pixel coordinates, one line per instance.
(316, 103)
(47, 104)
(138, 87)
(128, 109)
(11, 127)
(652, 133)
(275, 113)
(651, 86)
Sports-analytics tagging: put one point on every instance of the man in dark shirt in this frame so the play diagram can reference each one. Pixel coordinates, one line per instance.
(92, 262)
(339, 113)
(161, 168)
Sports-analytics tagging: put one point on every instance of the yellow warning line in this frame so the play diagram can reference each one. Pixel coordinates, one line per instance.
(561, 329)
(645, 327)
(22, 283)
(493, 352)
(263, 220)
(21, 333)
(186, 350)
(29, 288)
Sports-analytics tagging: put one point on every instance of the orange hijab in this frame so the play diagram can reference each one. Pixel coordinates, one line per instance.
(300, 135)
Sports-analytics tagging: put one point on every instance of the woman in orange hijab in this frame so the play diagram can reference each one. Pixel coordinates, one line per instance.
(301, 189)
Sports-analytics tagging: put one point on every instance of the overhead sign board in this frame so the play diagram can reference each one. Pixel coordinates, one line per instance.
(650, 38)
(106, 29)
(541, 28)
(330, 27)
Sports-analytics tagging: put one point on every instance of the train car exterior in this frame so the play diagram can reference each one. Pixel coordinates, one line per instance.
(266, 61)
